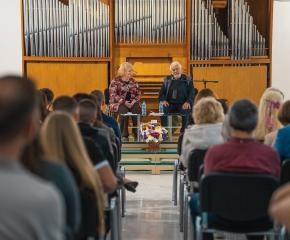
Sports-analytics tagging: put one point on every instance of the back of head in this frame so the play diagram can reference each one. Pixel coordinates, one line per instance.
(243, 115)
(48, 93)
(284, 113)
(225, 105)
(88, 111)
(204, 93)
(80, 96)
(17, 102)
(207, 110)
(99, 96)
(268, 113)
(65, 103)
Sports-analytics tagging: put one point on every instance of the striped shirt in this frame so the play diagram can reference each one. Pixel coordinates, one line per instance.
(242, 156)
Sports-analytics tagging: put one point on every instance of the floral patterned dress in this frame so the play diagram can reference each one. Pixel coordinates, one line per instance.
(118, 90)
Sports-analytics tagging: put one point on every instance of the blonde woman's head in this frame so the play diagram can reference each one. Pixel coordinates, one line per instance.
(61, 141)
(268, 113)
(207, 110)
(124, 69)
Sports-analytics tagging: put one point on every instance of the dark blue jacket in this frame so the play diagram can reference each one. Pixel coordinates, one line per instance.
(113, 123)
(187, 86)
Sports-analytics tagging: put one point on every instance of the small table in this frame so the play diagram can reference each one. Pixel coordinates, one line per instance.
(169, 117)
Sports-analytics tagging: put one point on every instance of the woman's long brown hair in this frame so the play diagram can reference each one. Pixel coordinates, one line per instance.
(61, 139)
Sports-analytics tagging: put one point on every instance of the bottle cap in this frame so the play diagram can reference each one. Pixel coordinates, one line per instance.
(160, 101)
(143, 101)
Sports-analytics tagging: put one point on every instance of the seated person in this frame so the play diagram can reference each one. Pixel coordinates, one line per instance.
(241, 154)
(201, 94)
(110, 121)
(101, 164)
(49, 96)
(31, 208)
(269, 106)
(282, 143)
(208, 115)
(279, 207)
(176, 94)
(87, 119)
(62, 142)
(125, 95)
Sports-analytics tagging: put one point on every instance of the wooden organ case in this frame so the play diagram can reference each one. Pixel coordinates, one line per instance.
(75, 46)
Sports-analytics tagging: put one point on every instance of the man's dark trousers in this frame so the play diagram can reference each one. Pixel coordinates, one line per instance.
(175, 107)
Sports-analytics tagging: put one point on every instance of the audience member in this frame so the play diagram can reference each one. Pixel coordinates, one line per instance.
(61, 141)
(49, 96)
(31, 208)
(206, 132)
(70, 105)
(80, 96)
(241, 154)
(42, 101)
(67, 104)
(225, 105)
(58, 174)
(279, 207)
(282, 143)
(268, 110)
(86, 121)
(202, 94)
(226, 133)
(107, 119)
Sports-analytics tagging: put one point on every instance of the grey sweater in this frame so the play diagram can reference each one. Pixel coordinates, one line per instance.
(30, 208)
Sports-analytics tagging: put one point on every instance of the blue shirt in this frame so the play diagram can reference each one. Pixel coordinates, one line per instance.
(113, 123)
(283, 143)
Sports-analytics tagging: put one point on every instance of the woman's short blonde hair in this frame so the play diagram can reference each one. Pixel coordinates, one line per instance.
(124, 66)
(207, 110)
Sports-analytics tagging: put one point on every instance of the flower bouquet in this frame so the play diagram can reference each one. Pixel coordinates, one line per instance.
(153, 135)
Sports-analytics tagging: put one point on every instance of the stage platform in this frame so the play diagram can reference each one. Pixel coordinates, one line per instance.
(135, 156)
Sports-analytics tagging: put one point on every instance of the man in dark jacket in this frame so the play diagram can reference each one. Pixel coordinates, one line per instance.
(177, 94)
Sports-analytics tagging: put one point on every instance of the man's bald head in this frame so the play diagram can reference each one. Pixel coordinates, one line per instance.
(17, 103)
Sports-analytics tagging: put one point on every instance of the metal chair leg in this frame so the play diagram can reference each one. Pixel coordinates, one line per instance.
(181, 201)
(118, 215)
(122, 170)
(174, 193)
(114, 233)
(185, 230)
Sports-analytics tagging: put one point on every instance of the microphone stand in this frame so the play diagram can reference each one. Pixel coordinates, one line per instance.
(204, 82)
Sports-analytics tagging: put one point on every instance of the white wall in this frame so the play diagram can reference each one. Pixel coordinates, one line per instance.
(10, 37)
(281, 47)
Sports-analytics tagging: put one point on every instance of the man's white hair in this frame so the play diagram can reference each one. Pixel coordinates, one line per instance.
(175, 64)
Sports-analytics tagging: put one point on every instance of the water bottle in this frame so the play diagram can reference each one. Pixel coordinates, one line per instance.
(160, 107)
(144, 109)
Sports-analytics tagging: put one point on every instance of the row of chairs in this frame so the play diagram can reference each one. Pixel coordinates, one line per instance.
(229, 196)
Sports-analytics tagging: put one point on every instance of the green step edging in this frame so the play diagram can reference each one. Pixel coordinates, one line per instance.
(136, 162)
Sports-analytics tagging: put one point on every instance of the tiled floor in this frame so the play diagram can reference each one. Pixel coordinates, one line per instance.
(150, 213)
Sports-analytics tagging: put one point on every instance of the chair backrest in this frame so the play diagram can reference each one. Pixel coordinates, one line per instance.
(285, 171)
(179, 145)
(194, 162)
(107, 96)
(237, 197)
(89, 221)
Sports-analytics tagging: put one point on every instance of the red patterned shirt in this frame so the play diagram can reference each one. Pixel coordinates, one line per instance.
(242, 156)
(118, 90)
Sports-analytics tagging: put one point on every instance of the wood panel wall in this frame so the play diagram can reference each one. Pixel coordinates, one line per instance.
(69, 78)
(234, 82)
